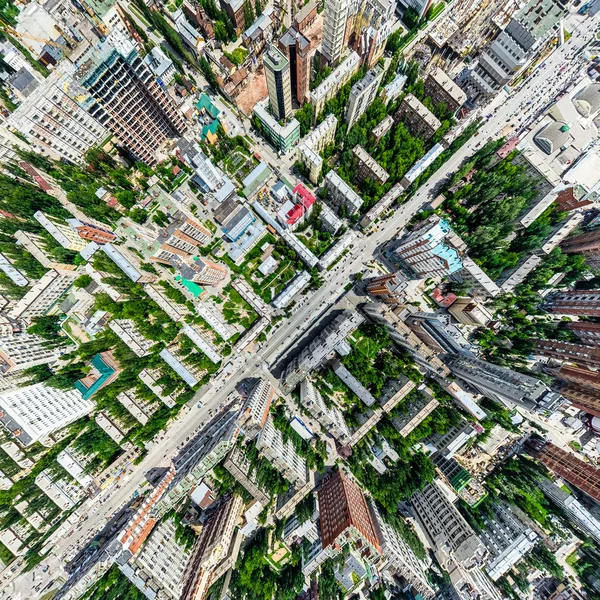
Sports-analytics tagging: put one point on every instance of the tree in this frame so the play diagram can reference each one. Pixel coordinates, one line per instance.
(248, 13)
(138, 215)
(83, 281)
(257, 8)
(205, 65)
(47, 327)
(305, 117)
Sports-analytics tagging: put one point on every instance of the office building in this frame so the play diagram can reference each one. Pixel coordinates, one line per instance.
(296, 48)
(470, 312)
(441, 89)
(328, 88)
(200, 270)
(576, 513)
(282, 137)
(585, 356)
(582, 475)
(426, 251)
(61, 232)
(253, 415)
(513, 47)
(43, 116)
(507, 540)
(282, 455)
(446, 528)
(339, 193)
(584, 303)
(367, 167)
(345, 516)
(212, 547)
(279, 86)
(126, 98)
(330, 419)
(417, 118)
(34, 412)
(44, 294)
(20, 350)
(320, 348)
(334, 29)
(587, 332)
(497, 382)
(362, 94)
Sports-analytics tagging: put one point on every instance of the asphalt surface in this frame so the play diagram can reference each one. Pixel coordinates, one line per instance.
(542, 86)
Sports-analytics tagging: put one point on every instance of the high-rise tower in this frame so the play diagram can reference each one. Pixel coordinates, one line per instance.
(277, 72)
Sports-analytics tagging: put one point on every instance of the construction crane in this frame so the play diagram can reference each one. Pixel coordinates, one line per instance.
(22, 36)
(98, 23)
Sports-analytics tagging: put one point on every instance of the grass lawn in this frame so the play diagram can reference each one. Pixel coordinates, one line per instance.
(317, 246)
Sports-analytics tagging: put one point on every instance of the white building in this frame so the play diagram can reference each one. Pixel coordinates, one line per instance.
(282, 455)
(73, 464)
(129, 334)
(65, 494)
(334, 29)
(12, 273)
(341, 194)
(363, 92)
(66, 236)
(253, 415)
(34, 412)
(204, 345)
(140, 409)
(340, 76)
(44, 294)
(20, 351)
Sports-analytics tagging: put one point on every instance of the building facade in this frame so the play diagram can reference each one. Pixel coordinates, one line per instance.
(587, 356)
(279, 85)
(297, 48)
(417, 118)
(362, 94)
(585, 303)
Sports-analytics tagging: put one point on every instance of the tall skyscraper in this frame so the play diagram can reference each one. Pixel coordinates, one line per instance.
(582, 475)
(565, 351)
(584, 303)
(296, 48)
(126, 98)
(277, 72)
(513, 47)
(334, 29)
(34, 412)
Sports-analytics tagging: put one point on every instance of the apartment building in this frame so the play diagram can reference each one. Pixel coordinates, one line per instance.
(279, 86)
(64, 493)
(239, 466)
(34, 412)
(571, 468)
(20, 350)
(44, 294)
(345, 516)
(507, 540)
(65, 235)
(339, 193)
(328, 88)
(468, 311)
(255, 412)
(362, 94)
(440, 88)
(445, 527)
(497, 382)
(334, 30)
(321, 347)
(55, 122)
(200, 270)
(584, 356)
(417, 118)
(426, 250)
(331, 419)
(367, 167)
(296, 47)
(314, 143)
(130, 335)
(91, 232)
(585, 303)
(140, 409)
(587, 244)
(282, 455)
(129, 263)
(513, 47)
(126, 98)
(181, 237)
(587, 332)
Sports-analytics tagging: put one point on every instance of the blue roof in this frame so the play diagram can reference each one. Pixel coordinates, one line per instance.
(450, 256)
(105, 372)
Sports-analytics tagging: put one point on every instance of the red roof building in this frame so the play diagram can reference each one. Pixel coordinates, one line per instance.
(346, 517)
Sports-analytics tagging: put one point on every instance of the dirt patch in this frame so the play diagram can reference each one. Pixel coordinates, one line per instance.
(315, 32)
(254, 92)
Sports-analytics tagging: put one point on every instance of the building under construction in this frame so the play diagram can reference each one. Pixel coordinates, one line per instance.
(582, 475)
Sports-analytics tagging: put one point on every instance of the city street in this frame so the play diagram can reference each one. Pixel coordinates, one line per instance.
(542, 87)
